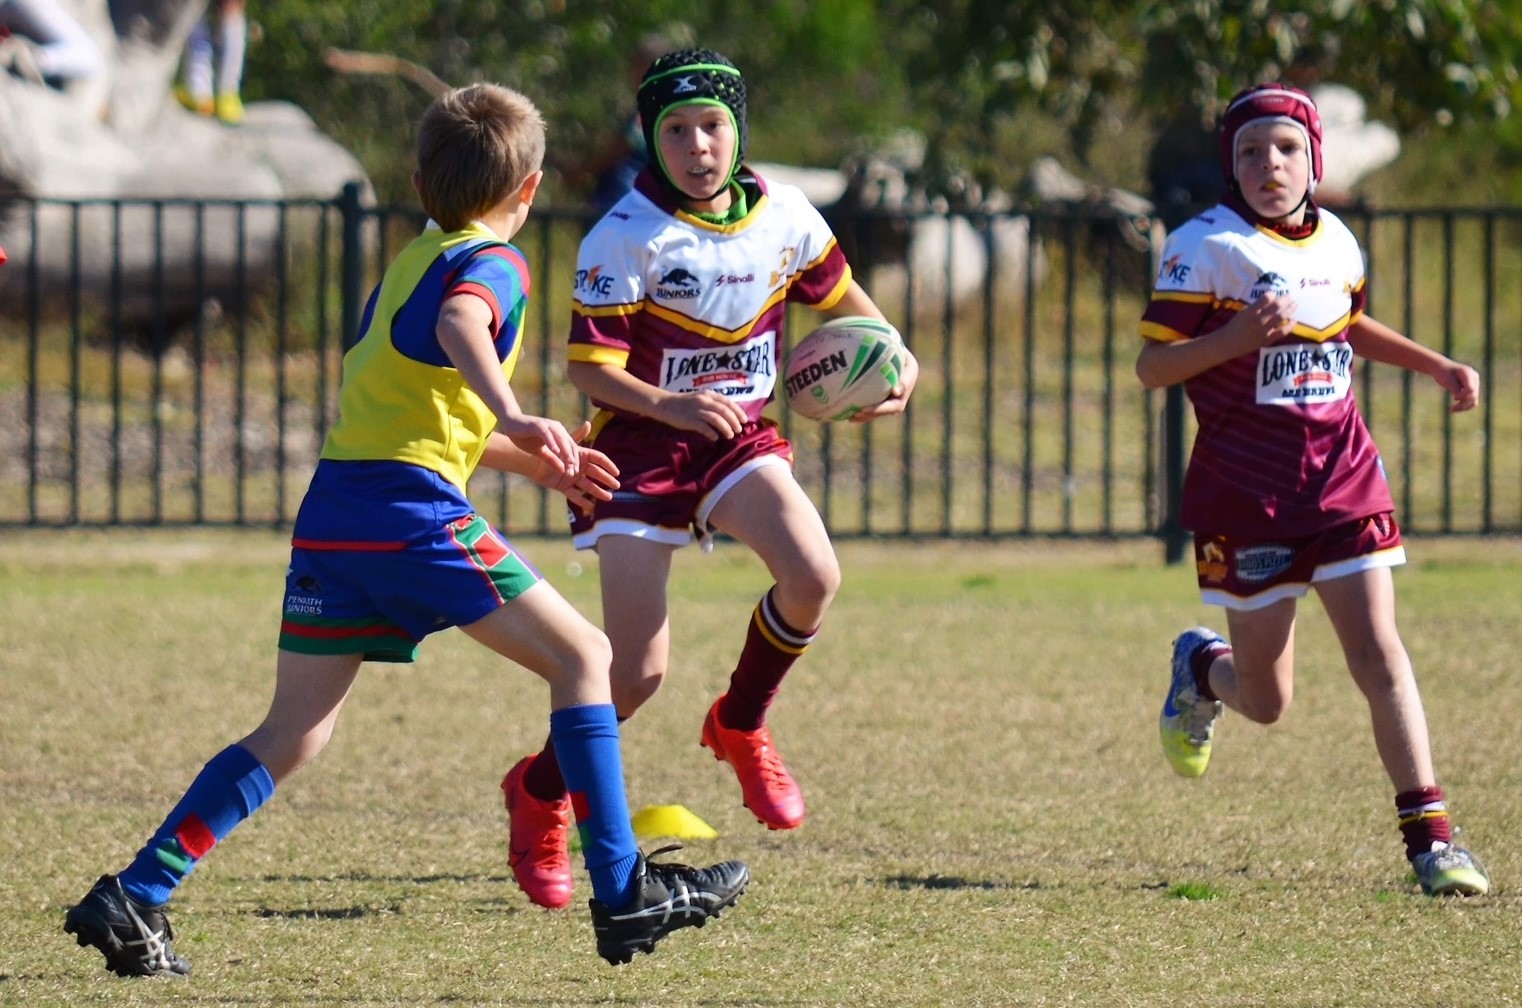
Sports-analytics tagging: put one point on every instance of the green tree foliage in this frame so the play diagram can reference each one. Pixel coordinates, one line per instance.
(1419, 62)
(817, 62)
(827, 74)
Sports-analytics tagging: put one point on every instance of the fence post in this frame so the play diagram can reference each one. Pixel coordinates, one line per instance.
(1176, 538)
(352, 264)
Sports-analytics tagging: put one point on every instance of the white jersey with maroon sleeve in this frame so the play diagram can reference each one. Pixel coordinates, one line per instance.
(690, 306)
(1281, 450)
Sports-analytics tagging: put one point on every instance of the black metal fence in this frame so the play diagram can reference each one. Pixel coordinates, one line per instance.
(176, 363)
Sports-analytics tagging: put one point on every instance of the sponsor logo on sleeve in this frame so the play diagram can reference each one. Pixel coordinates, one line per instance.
(784, 260)
(593, 282)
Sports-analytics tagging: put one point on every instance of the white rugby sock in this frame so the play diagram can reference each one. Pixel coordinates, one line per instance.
(232, 36)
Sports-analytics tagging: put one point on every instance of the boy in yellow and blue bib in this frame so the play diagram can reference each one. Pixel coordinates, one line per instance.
(387, 549)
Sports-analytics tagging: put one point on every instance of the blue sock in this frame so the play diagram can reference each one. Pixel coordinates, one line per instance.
(226, 791)
(586, 746)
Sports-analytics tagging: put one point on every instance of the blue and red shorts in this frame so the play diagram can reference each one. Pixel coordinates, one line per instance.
(381, 599)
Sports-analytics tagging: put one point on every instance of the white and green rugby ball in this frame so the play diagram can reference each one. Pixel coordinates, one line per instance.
(845, 366)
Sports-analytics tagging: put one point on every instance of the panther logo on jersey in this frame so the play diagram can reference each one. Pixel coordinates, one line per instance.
(678, 283)
(1268, 283)
(679, 278)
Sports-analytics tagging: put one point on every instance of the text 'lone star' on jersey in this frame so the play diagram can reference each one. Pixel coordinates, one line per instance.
(687, 305)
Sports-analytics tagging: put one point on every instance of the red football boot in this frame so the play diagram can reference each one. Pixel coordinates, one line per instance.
(536, 845)
(769, 791)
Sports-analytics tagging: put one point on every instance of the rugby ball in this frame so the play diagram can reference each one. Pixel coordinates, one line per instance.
(843, 367)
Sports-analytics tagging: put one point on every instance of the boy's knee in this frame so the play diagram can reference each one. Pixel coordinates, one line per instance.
(596, 651)
(1378, 669)
(1384, 682)
(588, 656)
(829, 580)
(813, 586)
(1262, 699)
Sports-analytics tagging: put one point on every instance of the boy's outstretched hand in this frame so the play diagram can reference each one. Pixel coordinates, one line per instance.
(546, 439)
(1462, 382)
(595, 479)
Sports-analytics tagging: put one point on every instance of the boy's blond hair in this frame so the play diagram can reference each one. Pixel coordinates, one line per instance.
(476, 146)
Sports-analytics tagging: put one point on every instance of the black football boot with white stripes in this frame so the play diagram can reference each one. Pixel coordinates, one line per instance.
(667, 897)
(135, 939)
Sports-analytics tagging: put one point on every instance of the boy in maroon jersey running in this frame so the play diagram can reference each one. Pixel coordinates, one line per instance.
(676, 337)
(1259, 311)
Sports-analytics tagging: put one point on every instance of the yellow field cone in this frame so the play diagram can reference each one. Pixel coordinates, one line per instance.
(676, 821)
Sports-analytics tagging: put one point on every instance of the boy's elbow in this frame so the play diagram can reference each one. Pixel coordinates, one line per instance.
(1154, 366)
(1148, 375)
(581, 375)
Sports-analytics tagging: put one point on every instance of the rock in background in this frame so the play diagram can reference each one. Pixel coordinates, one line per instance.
(124, 137)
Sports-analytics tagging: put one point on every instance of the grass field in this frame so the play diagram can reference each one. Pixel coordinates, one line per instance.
(991, 820)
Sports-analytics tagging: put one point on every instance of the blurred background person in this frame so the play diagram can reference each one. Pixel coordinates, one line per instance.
(43, 43)
(623, 155)
(214, 63)
(1184, 165)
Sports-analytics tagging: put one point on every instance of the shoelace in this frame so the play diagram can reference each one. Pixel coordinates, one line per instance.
(1197, 718)
(688, 886)
(1451, 855)
(768, 761)
(551, 852)
(771, 765)
(667, 849)
(665, 868)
